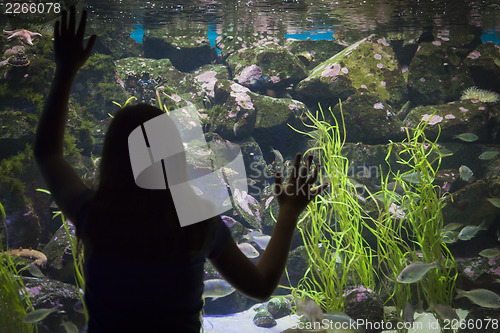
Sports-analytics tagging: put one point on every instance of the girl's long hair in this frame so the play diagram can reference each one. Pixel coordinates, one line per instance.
(126, 220)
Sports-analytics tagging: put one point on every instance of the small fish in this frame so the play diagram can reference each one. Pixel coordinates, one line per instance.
(248, 250)
(445, 312)
(310, 310)
(216, 288)
(235, 128)
(78, 307)
(259, 238)
(277, 155)
(465, 172)
(490, 253)
(69, 326)
(452, 226)
(408, 313)
(449, 236)
(340, 317)
(488, 155)
(494, 201)
(39, 314)
(228, 221)
(415, 272)
(467, 137)
(482, 297)
(35, 271)
(468, 232)
(412, 177)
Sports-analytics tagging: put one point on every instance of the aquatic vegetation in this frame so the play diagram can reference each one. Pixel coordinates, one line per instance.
(482, 95)
(413, 237)
(14, 302)
(332, 226)
(77, 253)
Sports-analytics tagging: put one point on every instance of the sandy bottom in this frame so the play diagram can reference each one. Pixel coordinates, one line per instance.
(243, 322)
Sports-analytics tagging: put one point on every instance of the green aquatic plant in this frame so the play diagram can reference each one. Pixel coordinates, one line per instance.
(14, 297)
(127, 102)
(77, 253)
(332, 227)
(408, 226)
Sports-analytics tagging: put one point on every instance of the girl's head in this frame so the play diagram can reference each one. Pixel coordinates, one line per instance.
(123, 214)
(115, 167)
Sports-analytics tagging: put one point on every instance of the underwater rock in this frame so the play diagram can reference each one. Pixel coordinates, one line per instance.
(436, 75)
(313, 52)
(236, 108)
(96, 87)
(23, 228)
(59, 257)
(369, 120)
(186, 47)
(116, 42)
(480, 317)
(363, 303)
(273, 120)
(368, 65)
(278, 65)
(469, 205)
(454, 118)
(279, 307)
(229, 43)
(484, 66)
(46, 293)
(264, 318)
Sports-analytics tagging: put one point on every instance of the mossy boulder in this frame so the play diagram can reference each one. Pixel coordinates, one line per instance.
(96, 88)
(230, 42)
(313, 52)
(278, 66)
(59, 255)
(370, 120)
(236, 117)
(187, 47)
(457, 117)
(368, 65)
(116, 42)
(46, 293)
(484, 66)
(18, 129)
(437, 75)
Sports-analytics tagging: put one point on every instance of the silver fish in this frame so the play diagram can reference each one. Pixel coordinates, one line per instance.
(494, 201)
(465, 172)
(35, 271)
(490, 253)
(248, 250)
(216, 288)
(467, 137)
(415, 272)
(482, 297)
(468, 232)
(445, 312)
(235, 128)
(277, 155)
(310, 310)
(408, 313)
(259, 238)
(39, 314)
(69, 326)
(488, 155)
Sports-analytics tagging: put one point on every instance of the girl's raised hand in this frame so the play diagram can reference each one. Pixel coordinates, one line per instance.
(70, 53)
(296, 194)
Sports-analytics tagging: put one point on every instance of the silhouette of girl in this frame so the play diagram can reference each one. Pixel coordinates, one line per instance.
(143, 272)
